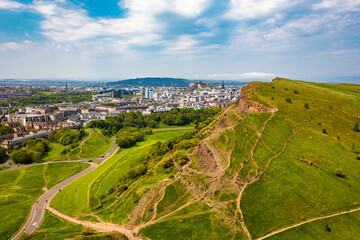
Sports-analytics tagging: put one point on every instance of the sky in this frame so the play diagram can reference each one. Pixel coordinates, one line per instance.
(195, 39)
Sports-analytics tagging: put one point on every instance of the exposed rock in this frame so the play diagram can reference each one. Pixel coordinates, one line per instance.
(247, 105)
(206, 158)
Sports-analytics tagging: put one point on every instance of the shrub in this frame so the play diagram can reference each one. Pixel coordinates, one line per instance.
(356, 127)
(306, 105)
(87, 231)
(288, 100)
(296, 92)
(168, 163)
(340, 173)
(324, 131)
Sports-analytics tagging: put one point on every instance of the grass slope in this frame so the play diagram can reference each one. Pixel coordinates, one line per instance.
(74, 199)
(20, 188)
(253, 174)
(291, 190)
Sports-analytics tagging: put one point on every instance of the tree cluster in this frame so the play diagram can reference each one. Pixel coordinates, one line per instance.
(5, 130)
(128, 137)
(32, 151)
(53, 98)
(175, 117)
(67, 136)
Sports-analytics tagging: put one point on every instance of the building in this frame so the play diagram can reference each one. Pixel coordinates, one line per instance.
(149, 93)
(20, 140)
(25, 118)
(116, 94)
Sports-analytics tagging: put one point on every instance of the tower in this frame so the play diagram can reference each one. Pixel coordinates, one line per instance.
(223, 85)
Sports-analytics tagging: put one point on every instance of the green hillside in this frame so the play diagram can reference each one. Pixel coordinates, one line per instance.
(281, 163)
(285, 153)
(20, 188)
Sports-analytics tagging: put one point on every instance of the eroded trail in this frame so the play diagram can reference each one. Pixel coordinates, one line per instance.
(101, 227)
(308, 221)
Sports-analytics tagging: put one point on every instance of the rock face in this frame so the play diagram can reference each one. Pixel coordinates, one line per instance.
(206, 158)
(247, 105)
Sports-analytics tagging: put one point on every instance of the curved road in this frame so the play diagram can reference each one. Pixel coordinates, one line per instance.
(38, 209)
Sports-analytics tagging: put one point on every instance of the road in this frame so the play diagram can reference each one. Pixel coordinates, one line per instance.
(14, 166)
(37, 212)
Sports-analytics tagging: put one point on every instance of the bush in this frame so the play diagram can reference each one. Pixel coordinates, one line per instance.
(324, 131)
(168, 163)
(87, 231)
(288, 100)
(356, 127)
(340, 173)
(306, 105)
(20, 157)
(296, 92)
(2, 154)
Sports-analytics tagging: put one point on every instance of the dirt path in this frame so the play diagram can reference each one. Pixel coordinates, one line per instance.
(308, 221)
(83, 142)
(101, 227)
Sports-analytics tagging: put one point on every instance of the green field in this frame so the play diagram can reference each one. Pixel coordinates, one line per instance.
(55, 152)
(203, 226)
(20, 188)
(4, 167)
(94, 145)
(75, 198)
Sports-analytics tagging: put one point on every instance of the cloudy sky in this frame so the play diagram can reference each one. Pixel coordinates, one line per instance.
(212, 39)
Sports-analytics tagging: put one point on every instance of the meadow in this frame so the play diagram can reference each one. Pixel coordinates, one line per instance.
(20, 188)
(75, 198)
(94, 146)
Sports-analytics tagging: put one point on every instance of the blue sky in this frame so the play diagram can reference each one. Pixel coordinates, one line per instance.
(197, 39)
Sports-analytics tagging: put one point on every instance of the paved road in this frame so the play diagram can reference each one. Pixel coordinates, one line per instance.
(15, 166)
(38, 209)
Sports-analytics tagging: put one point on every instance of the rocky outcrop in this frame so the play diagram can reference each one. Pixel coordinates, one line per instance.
(247, 105)
(206, 158)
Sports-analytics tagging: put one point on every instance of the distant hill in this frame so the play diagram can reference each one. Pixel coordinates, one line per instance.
(151, 82)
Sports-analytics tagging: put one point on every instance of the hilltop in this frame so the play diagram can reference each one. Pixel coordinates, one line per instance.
(281, 163)
(151, 82)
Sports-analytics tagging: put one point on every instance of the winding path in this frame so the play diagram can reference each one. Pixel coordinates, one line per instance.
(37, 212)
(308, 221)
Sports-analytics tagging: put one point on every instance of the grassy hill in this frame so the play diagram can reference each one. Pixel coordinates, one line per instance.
(151, 82)
(281, 163)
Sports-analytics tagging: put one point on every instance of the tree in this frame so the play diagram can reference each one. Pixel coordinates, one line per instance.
(356, 127)
(2, 154)
(20, 157)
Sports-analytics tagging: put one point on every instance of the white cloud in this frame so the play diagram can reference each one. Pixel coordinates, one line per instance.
(14, 45)
(246, 9)
(64, 23)
(11, 5)
(338, 5)
(248, 75)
